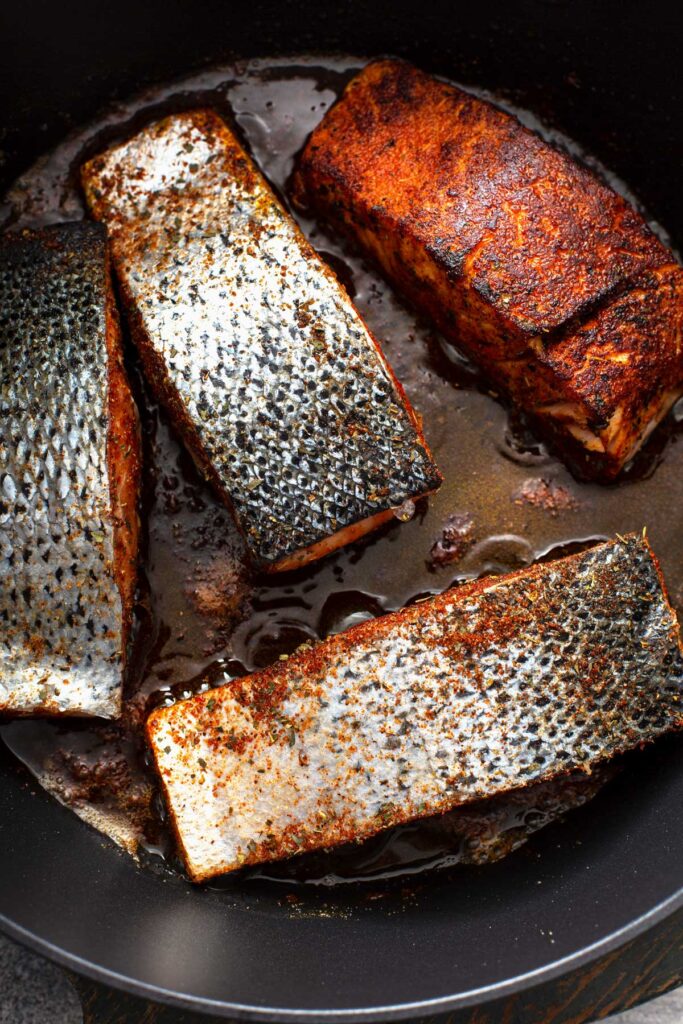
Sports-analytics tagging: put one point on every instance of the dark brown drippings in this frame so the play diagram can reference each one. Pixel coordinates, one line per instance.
(200, 620)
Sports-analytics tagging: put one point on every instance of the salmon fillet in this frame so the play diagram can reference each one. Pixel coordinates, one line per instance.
(526, 260)
(69, 477)
(488, 687)
(278, 388)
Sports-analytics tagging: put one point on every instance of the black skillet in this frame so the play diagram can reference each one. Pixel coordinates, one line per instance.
(608, 74)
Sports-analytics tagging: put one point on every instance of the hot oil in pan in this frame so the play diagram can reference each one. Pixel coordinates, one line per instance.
(505, 502)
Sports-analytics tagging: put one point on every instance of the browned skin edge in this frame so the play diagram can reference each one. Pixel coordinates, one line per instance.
(156, 373)
(324, 547)
(124, 463)
(362, 634)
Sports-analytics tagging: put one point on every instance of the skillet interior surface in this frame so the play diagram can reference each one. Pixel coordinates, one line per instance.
(605, 873)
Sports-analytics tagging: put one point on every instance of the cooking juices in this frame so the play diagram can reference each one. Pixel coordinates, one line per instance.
(202, 620)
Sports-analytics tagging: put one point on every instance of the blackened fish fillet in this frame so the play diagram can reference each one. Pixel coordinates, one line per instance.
(69, 473)
(280, 391)
(526, 260)
(490, 686)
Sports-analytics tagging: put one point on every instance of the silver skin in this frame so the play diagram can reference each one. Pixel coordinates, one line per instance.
(60, 609)
(272, 375)
(483, 689)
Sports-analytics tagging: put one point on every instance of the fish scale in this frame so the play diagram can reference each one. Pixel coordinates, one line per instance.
(488, 687)
(61, 638)
(273, 378)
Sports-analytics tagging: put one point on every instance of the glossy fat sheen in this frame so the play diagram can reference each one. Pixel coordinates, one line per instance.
(488, 687)
(64, 604)
(270, 373)
(525, 259)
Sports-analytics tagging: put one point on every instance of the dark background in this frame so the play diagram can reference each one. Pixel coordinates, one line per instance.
(602, 69)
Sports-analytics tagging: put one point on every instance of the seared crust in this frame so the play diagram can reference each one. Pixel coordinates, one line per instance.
(602, 385)
(509, 246)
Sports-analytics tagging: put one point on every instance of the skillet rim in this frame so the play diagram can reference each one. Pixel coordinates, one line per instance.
(441, 1004)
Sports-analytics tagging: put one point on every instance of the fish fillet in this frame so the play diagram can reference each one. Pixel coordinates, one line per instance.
(280, 391)
(490, 686)
(526, 260)
(69, 475)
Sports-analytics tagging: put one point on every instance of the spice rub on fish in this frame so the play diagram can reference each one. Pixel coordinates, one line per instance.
(490, 686)
(69, 475)
(280, 391)
(526, 260)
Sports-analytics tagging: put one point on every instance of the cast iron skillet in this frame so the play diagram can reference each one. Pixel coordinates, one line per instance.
(608, 74)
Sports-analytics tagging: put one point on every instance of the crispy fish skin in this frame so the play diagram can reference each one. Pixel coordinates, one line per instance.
(281, 393)
(488, 687)
(69, 476)
(509, 246)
